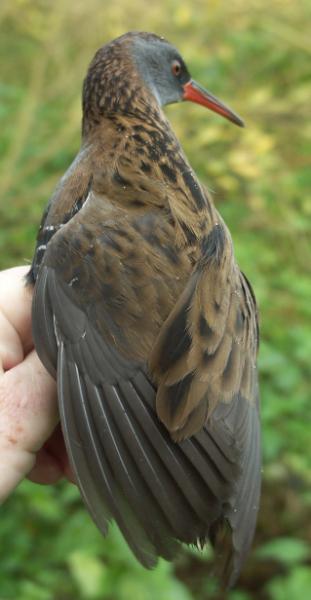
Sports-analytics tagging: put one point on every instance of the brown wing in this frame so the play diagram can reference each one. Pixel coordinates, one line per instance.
(206, 350)
(204, 364)
(127, 466)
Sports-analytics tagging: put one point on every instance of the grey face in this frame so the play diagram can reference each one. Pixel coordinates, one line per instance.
(162, 69)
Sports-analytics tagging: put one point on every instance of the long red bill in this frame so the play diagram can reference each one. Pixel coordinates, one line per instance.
(195, 93)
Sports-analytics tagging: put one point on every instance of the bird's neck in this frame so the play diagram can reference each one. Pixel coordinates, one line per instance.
(140, 165)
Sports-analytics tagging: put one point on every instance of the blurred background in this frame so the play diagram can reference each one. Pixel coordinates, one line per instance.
(255, 55)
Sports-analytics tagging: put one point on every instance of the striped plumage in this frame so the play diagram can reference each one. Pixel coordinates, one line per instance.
(143, 316)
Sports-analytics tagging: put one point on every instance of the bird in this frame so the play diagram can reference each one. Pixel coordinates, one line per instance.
(142, 315)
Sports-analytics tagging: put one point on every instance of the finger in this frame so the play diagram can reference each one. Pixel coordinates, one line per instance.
(28, 415)
(11, 349)
(52, 461)
(15, 303)
(47, 470)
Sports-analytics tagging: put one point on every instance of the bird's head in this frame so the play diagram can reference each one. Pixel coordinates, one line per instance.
(138, 67)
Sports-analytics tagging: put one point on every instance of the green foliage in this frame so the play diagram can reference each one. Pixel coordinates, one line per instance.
(256, 56)
(288, 551)
(58, 552)
(295, 585)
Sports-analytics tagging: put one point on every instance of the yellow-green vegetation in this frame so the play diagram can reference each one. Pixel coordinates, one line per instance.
(254, 54)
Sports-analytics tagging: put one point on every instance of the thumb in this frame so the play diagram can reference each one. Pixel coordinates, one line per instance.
(28, 415)
(15, 303)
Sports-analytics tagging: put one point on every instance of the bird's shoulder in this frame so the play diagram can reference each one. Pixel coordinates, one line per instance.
(66, 200)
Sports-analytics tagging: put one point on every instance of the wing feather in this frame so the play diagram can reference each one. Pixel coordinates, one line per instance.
(127, 466)
(123, 458)
(102, 474)
(76, 452)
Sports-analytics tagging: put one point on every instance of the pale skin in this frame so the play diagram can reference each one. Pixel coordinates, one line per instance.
(31, 443)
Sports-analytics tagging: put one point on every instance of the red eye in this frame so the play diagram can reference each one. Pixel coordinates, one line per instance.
(176, 68)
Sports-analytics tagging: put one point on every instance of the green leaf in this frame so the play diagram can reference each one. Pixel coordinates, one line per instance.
(89, 574)
(288, 551)
(295, 585)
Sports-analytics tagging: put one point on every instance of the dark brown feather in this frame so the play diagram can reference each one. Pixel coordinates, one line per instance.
(142, 314)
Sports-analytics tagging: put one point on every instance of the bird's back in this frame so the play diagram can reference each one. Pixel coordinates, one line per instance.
(143, 316)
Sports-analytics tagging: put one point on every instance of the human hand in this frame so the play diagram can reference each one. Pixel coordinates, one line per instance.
(31, 443)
